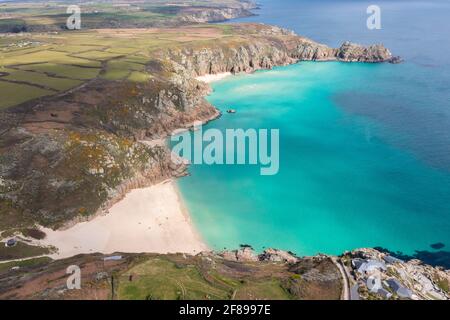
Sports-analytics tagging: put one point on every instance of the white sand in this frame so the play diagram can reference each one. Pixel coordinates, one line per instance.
(147, 220)
(213, 77)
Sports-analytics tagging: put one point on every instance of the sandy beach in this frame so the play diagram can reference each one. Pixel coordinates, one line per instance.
(152, 219)
(208, 78)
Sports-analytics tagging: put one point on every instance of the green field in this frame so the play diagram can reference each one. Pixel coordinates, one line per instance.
(115, 43)
(67, 71)
(37, 78)
(162, 279)
(44, 55)
(137, 76)
(121, 69)
(172, 277)
(42, 64)
(13, 94)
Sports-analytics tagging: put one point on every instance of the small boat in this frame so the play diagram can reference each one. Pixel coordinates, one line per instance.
(231, 111)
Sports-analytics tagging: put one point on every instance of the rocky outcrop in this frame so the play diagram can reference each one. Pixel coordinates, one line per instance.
(245, 58)
(57, 175)
(351, 52)
(244, 254)
(265, 48)
(234, 10)
(275, 255)
(347, 52)
(395, 278)
(214, 15)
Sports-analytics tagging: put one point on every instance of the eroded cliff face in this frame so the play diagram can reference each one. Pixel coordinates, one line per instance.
(215, 15)
(246, 57)
(239, 9)
(265, 48)
(56, 172)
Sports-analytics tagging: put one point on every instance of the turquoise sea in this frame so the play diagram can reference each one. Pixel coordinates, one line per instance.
(364, 148)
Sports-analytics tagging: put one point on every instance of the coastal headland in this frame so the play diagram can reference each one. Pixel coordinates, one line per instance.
(69, 157)
(85, 172)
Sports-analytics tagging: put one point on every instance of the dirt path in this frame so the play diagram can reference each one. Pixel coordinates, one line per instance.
(24, 259)
(346, 287)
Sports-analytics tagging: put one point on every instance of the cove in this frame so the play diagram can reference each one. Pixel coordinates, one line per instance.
(345, 181)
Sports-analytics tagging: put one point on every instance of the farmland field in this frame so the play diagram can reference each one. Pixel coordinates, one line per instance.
(66, 71)
(13, 94)
(137, 76)
(40, 57)
(160, 278)
(39, 79)
(41, 64)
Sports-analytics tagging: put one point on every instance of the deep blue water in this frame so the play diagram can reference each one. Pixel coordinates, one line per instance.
(365, 149)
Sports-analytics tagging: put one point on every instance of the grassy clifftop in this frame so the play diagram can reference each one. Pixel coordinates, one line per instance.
(172, 277)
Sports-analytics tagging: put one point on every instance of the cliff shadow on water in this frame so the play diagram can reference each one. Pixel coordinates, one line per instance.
(437, 258)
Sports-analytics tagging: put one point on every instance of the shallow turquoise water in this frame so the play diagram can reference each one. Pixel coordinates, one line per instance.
(340, 185)
(365, 148)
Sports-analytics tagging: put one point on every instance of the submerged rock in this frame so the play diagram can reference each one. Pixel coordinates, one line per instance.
(437, 246)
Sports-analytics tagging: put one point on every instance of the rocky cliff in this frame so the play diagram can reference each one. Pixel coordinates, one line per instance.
(263, 48)
(233, 10)
(214, 15)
